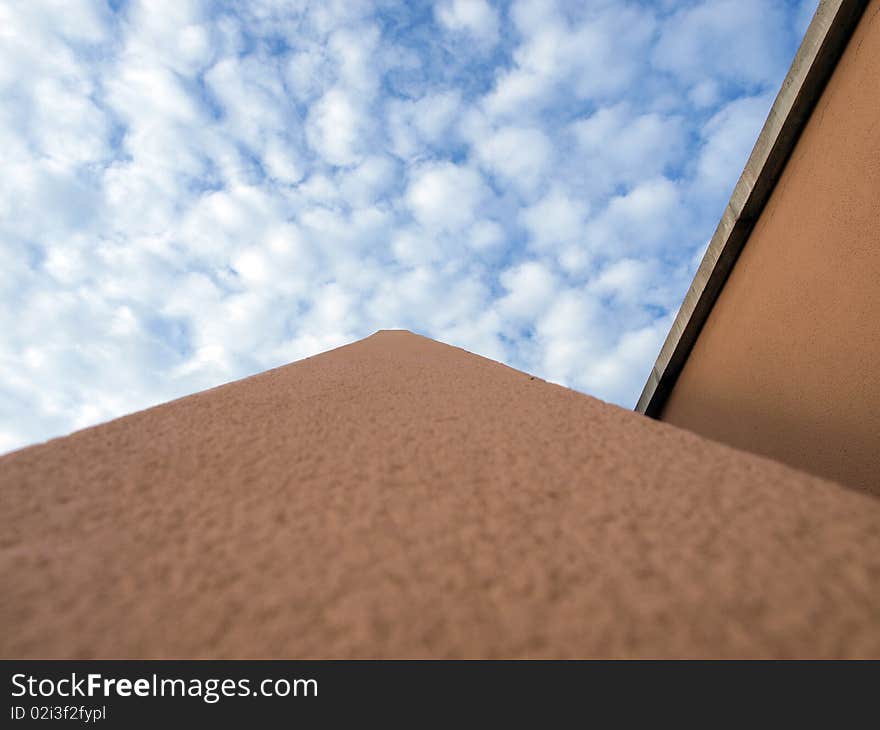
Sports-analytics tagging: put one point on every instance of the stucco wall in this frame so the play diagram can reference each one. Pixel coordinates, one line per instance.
(401, 498)
(788, 362)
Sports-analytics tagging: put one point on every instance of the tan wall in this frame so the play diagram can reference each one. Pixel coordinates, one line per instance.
(397, 498)
(788, 363)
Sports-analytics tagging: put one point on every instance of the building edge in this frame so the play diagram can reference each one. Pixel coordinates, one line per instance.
(824, 42)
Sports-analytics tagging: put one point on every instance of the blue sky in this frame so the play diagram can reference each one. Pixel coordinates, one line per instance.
(193, 192)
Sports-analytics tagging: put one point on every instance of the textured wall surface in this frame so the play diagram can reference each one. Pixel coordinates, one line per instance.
(788, 362)
(401, 498)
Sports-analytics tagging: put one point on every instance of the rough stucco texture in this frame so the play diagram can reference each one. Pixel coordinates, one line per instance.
(788, 363)
(402, 498)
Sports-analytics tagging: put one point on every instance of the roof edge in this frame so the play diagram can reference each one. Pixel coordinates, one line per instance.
(816, 58)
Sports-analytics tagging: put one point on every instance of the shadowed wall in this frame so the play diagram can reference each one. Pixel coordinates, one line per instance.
(788, 362)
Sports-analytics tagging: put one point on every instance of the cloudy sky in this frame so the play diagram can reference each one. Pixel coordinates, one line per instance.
(193, 192)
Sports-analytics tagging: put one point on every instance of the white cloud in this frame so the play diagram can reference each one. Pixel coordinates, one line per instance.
(336, 127)
(556, 221)
(415, 125)
(624, 279)
(69, 128)
(486, 235)
(728, 140)
(476, 18)
(732, 40)
(640, 219)
(369, 181)
(282, 160)
(570, 335)
(531, 287)
(628, 362)
(593, 56)
(445, 196)
(521, 156)
(427, 297)
(618, 147)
